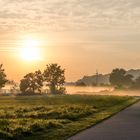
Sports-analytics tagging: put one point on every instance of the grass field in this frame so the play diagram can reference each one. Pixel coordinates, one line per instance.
(55, 117)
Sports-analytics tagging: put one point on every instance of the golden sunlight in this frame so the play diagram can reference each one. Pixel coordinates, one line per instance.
(30, 50)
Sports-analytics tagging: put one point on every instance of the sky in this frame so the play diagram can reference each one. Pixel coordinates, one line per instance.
(80, 35)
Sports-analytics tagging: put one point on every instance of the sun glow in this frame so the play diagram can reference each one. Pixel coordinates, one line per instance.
(30, 50)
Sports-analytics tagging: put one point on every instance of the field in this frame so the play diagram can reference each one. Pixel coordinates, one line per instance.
(54, 117)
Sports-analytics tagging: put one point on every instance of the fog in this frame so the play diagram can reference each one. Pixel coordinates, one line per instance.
(87, 90)
(100, 91)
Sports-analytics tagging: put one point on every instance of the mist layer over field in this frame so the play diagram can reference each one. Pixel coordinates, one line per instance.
(86, 90)
(100, 91)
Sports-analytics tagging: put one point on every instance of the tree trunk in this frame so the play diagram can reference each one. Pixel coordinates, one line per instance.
(53, 88)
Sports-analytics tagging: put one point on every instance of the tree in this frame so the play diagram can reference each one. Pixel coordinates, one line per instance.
(137, 83)
(119, 78)
(128, 80)
(54, 75)
(32, 82)
(14, 86)
(3, 79)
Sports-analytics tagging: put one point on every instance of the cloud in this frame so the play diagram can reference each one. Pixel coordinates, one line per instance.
(56, 15)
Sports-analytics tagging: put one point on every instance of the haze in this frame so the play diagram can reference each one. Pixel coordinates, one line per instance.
(80, 35)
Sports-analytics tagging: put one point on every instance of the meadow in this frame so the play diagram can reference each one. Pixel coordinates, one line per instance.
(55, 117)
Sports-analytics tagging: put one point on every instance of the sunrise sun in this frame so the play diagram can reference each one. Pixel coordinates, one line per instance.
(30, 50)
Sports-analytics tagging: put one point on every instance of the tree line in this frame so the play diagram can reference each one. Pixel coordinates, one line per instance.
(53, 77)
(120, 79)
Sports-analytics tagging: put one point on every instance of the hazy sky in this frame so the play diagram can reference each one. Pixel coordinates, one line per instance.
(80, 35)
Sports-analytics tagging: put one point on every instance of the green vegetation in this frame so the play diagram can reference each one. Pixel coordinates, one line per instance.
(122, 80)
(54, 117)
(32, 82)
(52, 77)
(136, 84)
(119, 78)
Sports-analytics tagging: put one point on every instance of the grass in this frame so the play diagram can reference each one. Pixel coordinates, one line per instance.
(55, 117)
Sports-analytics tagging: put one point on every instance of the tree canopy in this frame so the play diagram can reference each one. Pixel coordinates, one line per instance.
(54, 75)
(32, 82)
(137, 83)
(119, 78)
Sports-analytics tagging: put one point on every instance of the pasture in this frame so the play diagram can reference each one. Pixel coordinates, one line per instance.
(55, 117)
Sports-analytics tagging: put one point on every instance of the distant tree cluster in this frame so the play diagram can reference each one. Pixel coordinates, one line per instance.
(136, 84)
(120, 78)
(53, 76)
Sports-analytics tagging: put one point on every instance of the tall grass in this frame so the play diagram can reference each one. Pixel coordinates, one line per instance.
(43, 117)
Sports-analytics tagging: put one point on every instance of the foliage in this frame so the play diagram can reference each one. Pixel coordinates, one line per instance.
(119, 78)
(54, 75)
(128, 80)
(54, 117)
(32, 82)
(136, 83)
(3, 79)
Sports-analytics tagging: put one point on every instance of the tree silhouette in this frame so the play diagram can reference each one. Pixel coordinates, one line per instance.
(119, 78)
(32, 82)
(128, 80)
(137, 83)
(54, 76)
(3, 79)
